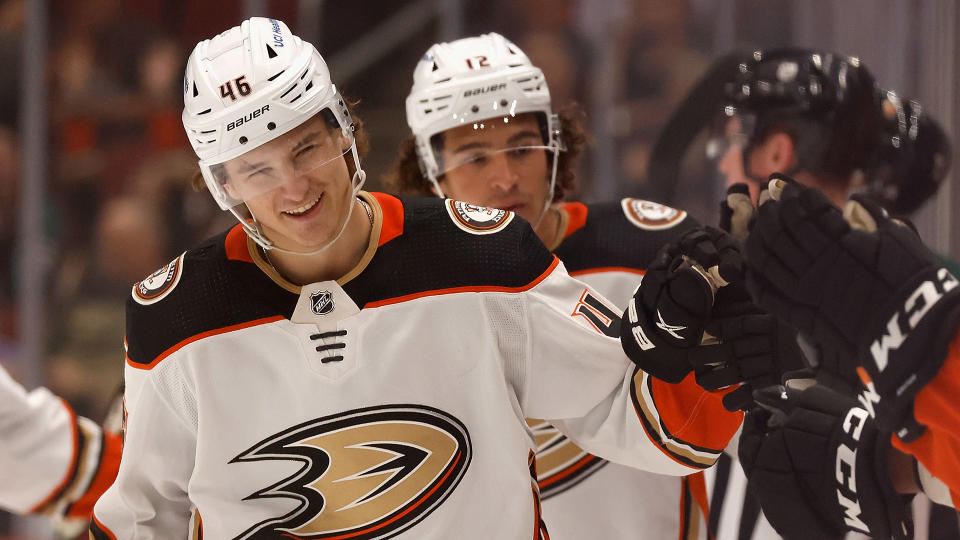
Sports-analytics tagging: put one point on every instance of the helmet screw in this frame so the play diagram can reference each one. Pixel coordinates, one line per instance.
(271, 126)
(243, 140)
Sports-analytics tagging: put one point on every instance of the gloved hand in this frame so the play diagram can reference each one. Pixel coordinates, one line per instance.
(817, 464)
(781, 353)
(665, 322)
(878, 304)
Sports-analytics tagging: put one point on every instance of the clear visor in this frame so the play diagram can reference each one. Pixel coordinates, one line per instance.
(732, 129)
(484, 148)
(283, 163)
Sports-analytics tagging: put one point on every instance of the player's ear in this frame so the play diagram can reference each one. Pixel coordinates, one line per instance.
(780, 152)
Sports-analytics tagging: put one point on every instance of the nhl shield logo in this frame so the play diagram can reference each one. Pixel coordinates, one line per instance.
(321, 302)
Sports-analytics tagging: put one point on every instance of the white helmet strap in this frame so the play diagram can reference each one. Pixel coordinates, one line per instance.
(254, 231)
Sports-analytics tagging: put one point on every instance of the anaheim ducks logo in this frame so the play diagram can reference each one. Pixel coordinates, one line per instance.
(160, 283)
(561, 464)
(477, 219)
(650, 215)
(367, 474)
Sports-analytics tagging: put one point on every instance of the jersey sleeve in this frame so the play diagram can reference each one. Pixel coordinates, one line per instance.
(53, 462)
(935, 406)
(149, 497)
(580, 379)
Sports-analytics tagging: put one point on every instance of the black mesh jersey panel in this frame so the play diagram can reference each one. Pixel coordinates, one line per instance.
(609, 239)
(214, 292)
(433, 253)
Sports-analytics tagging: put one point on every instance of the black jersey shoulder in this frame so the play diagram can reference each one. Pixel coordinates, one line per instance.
(611, 238)
(437, 251)
(213, 292)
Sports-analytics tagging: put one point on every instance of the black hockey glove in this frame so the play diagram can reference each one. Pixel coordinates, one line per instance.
(756, 349)
(864, 290)
(668, 314)
(680, 321)
(773, 350)
(817, 464)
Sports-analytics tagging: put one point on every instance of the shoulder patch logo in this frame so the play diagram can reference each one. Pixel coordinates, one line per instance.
(369, 473)
(477, 219)
(160, 283)
(650, 215)
(321, 302)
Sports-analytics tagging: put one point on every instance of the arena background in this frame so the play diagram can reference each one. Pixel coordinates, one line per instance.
(94, 165)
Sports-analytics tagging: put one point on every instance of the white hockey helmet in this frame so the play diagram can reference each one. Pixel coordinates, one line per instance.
(474, 79)
(248, 86)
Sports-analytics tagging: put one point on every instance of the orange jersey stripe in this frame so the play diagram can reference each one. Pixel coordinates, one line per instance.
(236, 245)
(454, 290)
(603, 269)
(106, 474)
(693, 415)
(935, 406)
(577, 214)
(392, 217)
(197, 337)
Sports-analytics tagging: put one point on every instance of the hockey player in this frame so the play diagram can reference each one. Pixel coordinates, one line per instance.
(881, 309)
(484, 131)
(346, 364)
(811, 114)
(52, 461)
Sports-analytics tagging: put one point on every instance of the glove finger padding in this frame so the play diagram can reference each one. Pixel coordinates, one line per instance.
(878, 300)
(755, 349)
(669, 311)
(821, 470)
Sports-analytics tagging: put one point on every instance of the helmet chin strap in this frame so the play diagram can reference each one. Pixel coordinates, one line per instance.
(256, 234)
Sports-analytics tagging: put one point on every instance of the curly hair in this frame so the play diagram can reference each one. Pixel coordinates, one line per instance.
(359, 135)
(405, 176)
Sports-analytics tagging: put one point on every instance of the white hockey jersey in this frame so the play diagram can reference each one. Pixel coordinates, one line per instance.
(51, 461)
(388, 404)
(608, 246)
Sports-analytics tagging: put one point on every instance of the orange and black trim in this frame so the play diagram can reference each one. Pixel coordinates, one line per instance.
(99, 532)
(476, 288)
(540, 527)
(692, 410)
(108, 463)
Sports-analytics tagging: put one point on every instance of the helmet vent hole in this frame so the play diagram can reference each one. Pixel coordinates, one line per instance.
(195, 92)
(309, 86)
(288, 91)
(435, 66)
(296, 98)
(203, 112)
(443, 80)
(279, 73)
(271, 126)
(270, 52)
(243, 140)
(304, 73)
